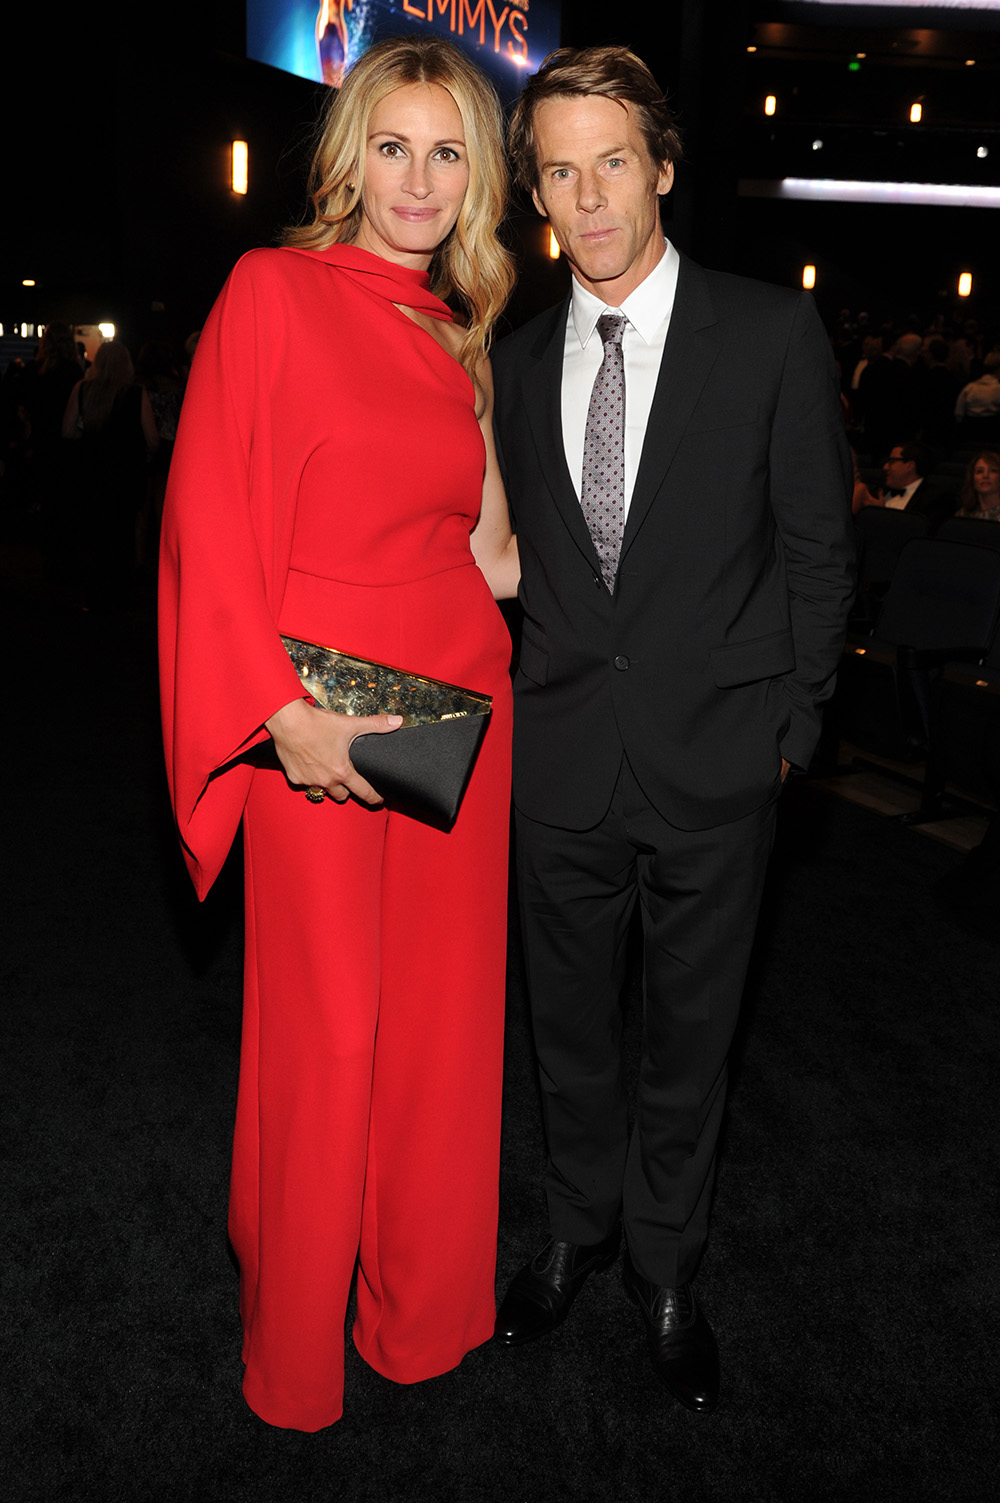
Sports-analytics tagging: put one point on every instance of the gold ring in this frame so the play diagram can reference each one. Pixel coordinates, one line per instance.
(315, 794)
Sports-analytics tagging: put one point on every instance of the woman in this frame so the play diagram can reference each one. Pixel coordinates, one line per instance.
(159, 375)
(980, 495)
(333, 457)
(113, 421)
(44, 391)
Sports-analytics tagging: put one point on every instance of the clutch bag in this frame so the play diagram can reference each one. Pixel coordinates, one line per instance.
(424, 765)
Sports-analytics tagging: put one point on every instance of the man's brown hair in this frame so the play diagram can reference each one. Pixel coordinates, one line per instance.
(615, 73)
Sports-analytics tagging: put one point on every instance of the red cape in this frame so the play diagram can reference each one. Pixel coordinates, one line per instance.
(227, 534)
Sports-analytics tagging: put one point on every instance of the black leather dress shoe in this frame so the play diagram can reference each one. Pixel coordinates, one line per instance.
(681, 1342)
(540, 1295)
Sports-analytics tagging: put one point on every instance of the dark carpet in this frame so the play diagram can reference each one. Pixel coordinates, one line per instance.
(852, 1270)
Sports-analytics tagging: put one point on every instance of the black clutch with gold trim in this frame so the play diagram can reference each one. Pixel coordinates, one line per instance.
(425, 765)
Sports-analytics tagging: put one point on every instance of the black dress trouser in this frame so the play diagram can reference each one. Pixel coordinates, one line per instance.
(700, 894)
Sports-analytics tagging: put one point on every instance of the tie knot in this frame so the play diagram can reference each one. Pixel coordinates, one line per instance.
(611, 327)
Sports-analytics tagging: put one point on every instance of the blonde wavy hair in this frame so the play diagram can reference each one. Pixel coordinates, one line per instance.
(471, 263)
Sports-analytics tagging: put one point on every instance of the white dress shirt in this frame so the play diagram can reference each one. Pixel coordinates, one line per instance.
(648, 311)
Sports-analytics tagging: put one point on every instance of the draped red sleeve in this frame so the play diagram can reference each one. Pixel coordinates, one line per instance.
(229, 518)
(227, 527)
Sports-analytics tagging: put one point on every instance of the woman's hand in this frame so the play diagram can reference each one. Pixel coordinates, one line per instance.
(313, 746)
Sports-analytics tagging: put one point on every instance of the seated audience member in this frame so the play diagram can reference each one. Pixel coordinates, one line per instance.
(939, 394)
(907, 489)
(871, 350)
(980, 494)
(861, 496)
(978, 406)
(883, 401)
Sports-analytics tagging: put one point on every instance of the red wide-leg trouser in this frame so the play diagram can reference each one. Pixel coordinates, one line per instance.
(368, 1117)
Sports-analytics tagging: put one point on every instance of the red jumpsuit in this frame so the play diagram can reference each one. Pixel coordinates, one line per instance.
(327, 473)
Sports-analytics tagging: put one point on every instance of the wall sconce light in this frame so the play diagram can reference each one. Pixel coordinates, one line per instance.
(770, 104)
(965, 284)
(553, 246)
(107, 330)
(28, 282)
(808, 278)
(982, 152)
(241, 166)
(916, 112)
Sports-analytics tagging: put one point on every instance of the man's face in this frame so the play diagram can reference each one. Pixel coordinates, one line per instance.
(599, 187)
(899, 472)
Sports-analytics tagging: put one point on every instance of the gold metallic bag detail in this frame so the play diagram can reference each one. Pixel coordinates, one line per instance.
(424, 766)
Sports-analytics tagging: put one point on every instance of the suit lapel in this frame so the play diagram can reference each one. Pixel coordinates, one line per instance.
(691, 349)
(542, 395)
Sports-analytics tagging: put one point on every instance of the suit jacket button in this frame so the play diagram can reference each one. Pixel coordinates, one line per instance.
(621, 663)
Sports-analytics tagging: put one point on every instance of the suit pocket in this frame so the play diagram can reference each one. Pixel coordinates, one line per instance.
(533, 660)
(745, 662)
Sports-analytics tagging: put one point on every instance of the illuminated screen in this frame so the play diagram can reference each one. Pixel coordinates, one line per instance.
(320, 39)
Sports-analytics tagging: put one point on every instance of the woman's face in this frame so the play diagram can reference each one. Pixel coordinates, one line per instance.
(416, 174)
(986, 482)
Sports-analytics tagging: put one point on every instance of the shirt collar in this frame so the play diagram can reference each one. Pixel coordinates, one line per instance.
(647, 309)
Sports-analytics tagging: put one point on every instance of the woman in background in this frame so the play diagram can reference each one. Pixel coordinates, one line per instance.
(112, 420)
(980, 494)
(334, 479)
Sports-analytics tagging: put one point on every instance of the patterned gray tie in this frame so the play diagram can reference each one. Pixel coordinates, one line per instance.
(602, 491)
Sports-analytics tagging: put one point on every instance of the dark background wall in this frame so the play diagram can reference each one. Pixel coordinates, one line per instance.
(115, 172)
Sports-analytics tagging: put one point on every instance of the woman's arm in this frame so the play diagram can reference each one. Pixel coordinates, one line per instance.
(150, 431)
(72, 412)
(494, 546)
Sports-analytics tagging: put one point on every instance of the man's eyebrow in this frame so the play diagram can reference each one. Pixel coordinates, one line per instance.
(598, 156)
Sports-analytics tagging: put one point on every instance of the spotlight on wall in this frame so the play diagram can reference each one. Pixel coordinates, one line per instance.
(809, 278)
(770, 104)
(241, 166)
(916, 113)
(553, 246)
(965, 284)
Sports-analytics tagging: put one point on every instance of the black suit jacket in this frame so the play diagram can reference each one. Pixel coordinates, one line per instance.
(728, 617)
(934, 501)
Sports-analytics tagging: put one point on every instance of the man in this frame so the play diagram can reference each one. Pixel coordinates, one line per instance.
(977, 407)
(941, 385)
(889, 396)
(672, 662)
(907, 489)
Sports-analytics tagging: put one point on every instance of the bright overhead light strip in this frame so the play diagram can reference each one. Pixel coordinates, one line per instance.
(846, 190)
